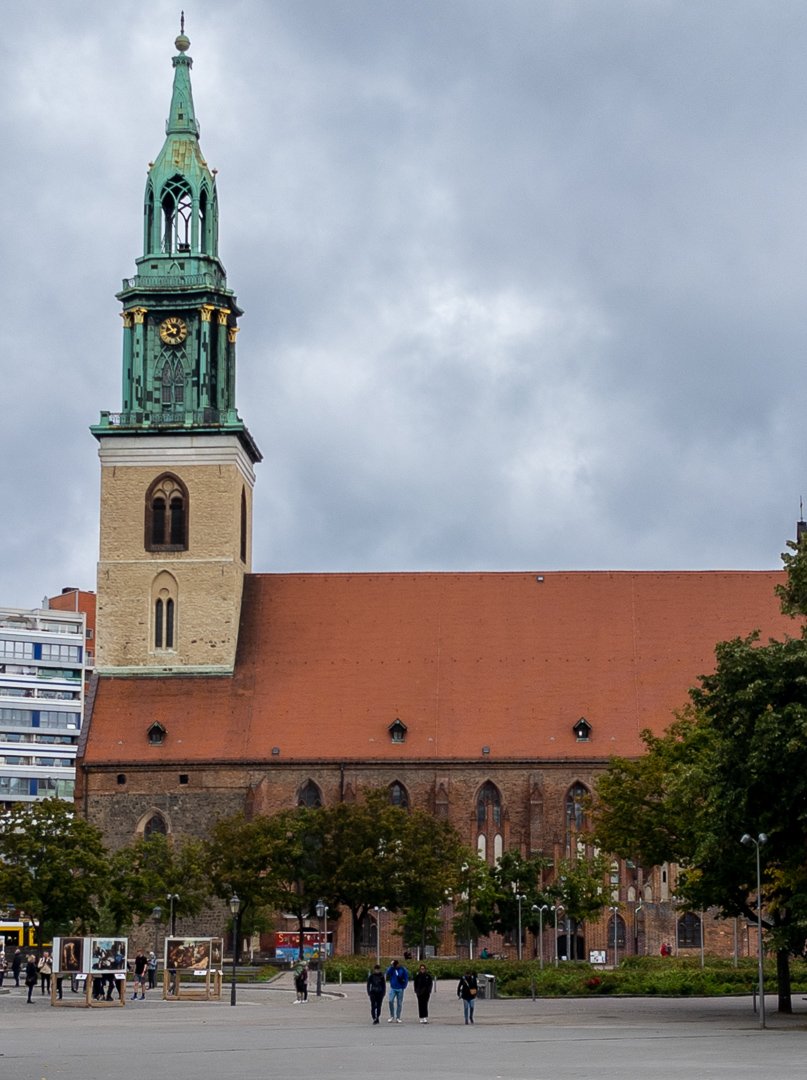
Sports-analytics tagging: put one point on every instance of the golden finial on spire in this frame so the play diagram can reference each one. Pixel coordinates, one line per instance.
(182, 42)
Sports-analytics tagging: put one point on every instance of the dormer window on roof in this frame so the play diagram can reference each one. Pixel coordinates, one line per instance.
(397, 730)
(156, 733)
(582, 729)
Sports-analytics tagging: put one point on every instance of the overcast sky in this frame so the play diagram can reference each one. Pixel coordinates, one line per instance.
(524, 281)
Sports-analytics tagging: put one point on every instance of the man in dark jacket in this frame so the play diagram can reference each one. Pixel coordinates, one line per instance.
(376, 987)
(467, 989)
(398, 981)
(422, 984)
(16, 964)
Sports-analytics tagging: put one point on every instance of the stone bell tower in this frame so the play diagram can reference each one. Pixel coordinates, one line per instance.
(176, 462)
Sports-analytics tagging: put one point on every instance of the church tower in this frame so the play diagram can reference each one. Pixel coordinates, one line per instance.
(176, 462)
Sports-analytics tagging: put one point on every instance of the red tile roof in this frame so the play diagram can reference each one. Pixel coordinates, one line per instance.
(326, 662)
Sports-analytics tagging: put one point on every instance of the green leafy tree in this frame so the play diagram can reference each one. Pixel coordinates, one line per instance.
(427, 867)
(578, 885)
(144, 873)
(53, 865)
(474, 899)
(236, 856)
(735, 762)
(515, 876)
(358, 861)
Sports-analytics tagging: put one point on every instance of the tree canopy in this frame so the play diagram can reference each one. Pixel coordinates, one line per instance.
(733, 762)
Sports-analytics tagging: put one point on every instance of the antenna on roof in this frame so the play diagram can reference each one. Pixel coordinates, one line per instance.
(801, 524)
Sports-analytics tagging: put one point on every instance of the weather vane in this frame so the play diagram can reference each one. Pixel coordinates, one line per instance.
(182, 22)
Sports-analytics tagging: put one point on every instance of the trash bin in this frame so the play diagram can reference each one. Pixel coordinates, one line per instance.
(486, 985)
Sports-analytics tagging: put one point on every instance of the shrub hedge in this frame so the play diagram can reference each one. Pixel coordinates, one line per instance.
(636, 975)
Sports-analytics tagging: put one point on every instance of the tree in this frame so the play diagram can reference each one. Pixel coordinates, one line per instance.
(144, 873)
(734, 762)
(516, 876)
(426, 867)
(475, 898)
(236, 857)
(358, 856)
(578, 886)
(53, 865)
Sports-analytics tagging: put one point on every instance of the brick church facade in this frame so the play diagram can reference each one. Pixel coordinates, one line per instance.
(491, 699)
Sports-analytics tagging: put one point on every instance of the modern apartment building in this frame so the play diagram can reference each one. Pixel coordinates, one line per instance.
(42, 685)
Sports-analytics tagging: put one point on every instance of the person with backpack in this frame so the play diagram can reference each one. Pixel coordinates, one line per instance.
(467, 990)
(31, 976)
(376, 988)
(398, 978)
(422, 985)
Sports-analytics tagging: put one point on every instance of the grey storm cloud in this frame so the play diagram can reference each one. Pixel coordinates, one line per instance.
(524, 281)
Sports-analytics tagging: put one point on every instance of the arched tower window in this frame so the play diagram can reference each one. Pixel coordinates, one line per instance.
(243, 525)
(167, 515)
(204, 225)
(575, 816)
(172, 384)
(309, 796)
(148, 223)
(164, 611)
(489, 805)
(398, 795)
(177, 210)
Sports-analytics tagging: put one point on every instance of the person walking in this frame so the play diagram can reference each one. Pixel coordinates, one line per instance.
(31, 976)
(16, 965)
(398, 978)
(422, 985)
(140, 967)
(467, 989)
(376, 988)
(2, 964)
(151, 968)
(45, 967)
(304, 977)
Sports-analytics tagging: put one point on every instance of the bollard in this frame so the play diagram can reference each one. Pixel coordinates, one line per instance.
(340, 976)
(532, 986)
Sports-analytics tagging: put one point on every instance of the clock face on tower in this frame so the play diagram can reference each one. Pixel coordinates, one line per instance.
(173, 331)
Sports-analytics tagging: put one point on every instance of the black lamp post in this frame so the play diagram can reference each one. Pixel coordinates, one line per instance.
(322, 911)
(171, 898)
(747, 839)
(235, 907)
(156, 915)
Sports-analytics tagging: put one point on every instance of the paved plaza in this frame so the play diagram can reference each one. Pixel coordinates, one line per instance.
(266, 1035)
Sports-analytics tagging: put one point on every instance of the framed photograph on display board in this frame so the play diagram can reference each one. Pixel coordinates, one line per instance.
(68, 955)
(216, 953)
(185, 953)
(108, 954)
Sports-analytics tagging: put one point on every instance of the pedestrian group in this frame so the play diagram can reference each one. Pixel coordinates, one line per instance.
(423, 984)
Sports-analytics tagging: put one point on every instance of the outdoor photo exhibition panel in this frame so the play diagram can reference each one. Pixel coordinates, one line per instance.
(91, 969)
(193, 969)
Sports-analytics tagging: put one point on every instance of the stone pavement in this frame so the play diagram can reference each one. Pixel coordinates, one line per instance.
(267, 1035)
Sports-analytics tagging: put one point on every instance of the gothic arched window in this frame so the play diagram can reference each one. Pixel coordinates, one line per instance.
(155, 824)
(309, 796)
(620, 932)
(575, 816)
(172, 384)
(164, 607)
(488, 805)
(398, 795)
(689, 931)
(148, 225)
(167, 515)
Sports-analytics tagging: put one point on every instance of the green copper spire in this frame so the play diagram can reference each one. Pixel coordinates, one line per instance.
(179, 317)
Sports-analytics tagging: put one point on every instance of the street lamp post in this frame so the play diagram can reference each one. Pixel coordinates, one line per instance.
(171, 898)
(747, 839)
(540, 910)
(614, 909)
(378, 911)
(322, 913)
(520, 897)
(156, 915)
(235, 908)
(556, 908)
